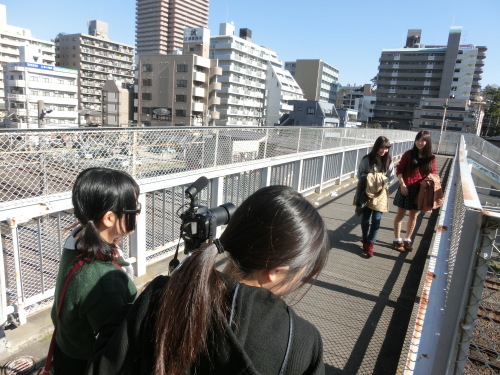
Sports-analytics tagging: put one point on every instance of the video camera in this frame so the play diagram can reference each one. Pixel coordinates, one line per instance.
(199, 223)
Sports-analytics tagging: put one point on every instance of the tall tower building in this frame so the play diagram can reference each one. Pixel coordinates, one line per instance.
(160, 24)
(431, 76)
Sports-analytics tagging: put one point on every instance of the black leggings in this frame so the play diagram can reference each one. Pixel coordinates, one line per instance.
(64, 365)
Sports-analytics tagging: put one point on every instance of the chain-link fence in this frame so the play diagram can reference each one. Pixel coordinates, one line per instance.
(457, 324)
(39, 168)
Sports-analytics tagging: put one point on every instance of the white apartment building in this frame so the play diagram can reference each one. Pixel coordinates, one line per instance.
(33, 89)
(13, 37)
(280, 89)
(97, 60)
(244, 69)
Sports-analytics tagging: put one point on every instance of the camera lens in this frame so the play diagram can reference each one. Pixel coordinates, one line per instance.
(223, 213)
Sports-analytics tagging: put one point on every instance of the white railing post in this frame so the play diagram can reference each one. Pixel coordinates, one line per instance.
(265, 177)
(297, 174)
(321, 173)
(341, 167)
(138, 240)
(3, 302)
(217, 197)
(17, 266)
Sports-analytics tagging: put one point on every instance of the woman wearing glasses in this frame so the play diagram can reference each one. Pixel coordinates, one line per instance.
(375, 173)
(202, 321)
(105, 204)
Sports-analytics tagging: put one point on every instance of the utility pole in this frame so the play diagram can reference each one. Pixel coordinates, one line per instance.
(445, 106)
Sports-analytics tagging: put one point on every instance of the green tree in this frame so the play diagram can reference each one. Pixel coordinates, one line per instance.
(491, 121)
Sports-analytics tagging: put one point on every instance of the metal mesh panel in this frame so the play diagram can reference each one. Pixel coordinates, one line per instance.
(237, 187)
(310, 173)
(282, 174)
(457, 226)
(483, 349)
(282, 142)
(9, 265)
(40, 245)
(349, 162)
(332, 167)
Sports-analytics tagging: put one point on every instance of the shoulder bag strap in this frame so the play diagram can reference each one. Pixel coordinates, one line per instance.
(50, 354)
(289, 344)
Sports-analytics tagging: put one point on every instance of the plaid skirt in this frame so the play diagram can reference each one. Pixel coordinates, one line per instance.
(407, 202)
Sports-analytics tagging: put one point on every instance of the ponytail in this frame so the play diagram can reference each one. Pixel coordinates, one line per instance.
(92, 246)
(191, 310)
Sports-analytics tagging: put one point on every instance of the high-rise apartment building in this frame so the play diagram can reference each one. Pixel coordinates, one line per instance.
(318, 80)
(97, 60)
(407, 76)
(244, 69)
(160, 24)
(13, 37)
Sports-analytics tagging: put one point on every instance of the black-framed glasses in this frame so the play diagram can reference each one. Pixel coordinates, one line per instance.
(136, 211)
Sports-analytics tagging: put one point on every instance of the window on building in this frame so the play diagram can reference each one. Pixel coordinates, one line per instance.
(182, 68)
(145, 110)
(181, 98)
(147, 82)
(310, 110)
(455, 79)
(147, 96)
(181, 83)
(180, 113)
(147, 67)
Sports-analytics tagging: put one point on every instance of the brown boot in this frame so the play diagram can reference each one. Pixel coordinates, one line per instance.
(398, 245)
(407, 245)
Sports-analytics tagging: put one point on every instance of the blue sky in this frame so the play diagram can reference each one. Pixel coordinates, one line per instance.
(349, 35)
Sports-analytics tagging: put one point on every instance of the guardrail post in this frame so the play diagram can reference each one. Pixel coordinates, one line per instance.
(138, 240)
(341, 167)
(265, 177)
(3, 302)
(297, 174)
(217, 197)
(321, 173)
(17, 265)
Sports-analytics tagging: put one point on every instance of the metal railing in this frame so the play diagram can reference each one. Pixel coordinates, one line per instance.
(39, 168)
(458, 319)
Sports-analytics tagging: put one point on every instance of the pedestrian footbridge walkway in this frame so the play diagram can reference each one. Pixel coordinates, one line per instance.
(364, 306)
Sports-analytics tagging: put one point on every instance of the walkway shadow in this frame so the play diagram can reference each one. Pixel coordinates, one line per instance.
(392, 349)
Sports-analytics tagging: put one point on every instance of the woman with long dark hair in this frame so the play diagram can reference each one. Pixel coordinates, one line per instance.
(105, 204)
(415, 165)
(375, 173)
(202, 321)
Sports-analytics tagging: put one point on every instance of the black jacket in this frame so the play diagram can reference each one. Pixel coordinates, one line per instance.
(257, 343)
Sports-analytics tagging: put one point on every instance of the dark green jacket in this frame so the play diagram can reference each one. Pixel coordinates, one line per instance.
(97, 290)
